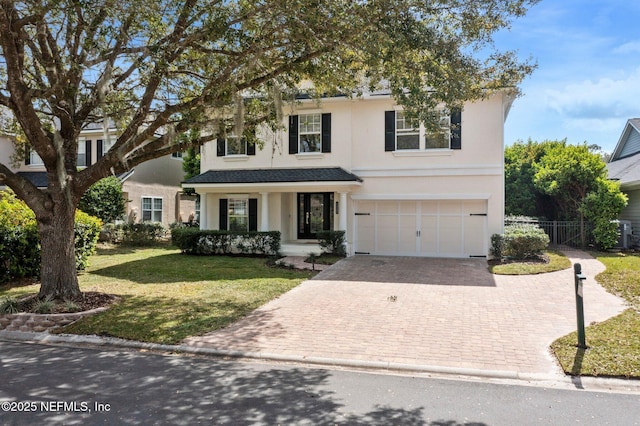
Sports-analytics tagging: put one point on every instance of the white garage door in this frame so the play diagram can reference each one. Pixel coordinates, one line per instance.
(439, 228)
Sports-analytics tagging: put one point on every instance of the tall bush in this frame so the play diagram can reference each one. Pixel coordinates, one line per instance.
(20, 245)
(332, 242)
(104, 199)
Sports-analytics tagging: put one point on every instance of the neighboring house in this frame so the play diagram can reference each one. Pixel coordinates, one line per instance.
(152, 188)
(624, 166)
(358, 165)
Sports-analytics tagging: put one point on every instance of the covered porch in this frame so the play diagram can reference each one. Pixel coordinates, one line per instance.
(298, 203)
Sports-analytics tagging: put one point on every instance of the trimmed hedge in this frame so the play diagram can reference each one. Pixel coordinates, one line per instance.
(332, 242)
(209, 242)
(522, 241)
(20, 243)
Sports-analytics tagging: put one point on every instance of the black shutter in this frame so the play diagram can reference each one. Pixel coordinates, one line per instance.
(326, 132)
(87, 152)
(456, 129)
(221, 151)
(253, 214)
(251, 148)
(293, 134)
(99, 149)
(27, 155)
(224, 211)
(389, 130)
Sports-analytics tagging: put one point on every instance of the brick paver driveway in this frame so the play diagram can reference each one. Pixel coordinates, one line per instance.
(450, 313)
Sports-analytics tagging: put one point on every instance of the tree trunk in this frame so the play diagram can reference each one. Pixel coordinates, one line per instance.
(58, 275)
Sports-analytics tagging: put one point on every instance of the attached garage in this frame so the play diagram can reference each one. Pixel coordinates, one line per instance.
(436, 228)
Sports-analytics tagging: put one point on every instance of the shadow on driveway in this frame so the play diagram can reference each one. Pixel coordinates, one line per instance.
(410, 270)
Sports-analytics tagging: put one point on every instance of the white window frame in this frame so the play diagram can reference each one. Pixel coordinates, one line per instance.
(405, 129)
(35, 160)
(307, 130)
(177, 155)
(106, 146)
(237, 212)
(82, 150)
(424, 135)
(154, 211)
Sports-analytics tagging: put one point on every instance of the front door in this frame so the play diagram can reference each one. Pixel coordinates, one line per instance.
(315, 213)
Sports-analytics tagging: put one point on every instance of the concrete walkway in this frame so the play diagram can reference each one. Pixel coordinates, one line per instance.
(447, 315)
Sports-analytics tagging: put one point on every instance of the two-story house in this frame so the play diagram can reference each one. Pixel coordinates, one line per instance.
(360, 166)
(624, 166)
(152, 189)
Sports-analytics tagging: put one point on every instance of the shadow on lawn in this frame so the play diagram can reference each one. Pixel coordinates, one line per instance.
(177, 267)
(160, 319)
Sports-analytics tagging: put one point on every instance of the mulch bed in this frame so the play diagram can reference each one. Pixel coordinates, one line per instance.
(530, 261)
(85, 302)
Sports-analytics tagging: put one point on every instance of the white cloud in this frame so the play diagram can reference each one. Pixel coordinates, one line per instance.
(630, 47)
(595, 101)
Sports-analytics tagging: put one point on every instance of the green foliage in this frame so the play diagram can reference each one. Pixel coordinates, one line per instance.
(497, 246)
(141, 234)
(207, 242)
(104, 199)
(568, 173)
(602, 206)
(522, 198)
(43, 306)
(522, 241)
(332, 242)
(20, 244)
(87, 230)
(9, 305)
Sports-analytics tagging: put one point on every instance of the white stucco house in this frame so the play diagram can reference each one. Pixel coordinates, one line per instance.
(624, 166)
(152, 189)
(357, 165)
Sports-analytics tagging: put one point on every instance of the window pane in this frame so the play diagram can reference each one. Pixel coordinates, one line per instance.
(437, 140)
(310, 143)
(238, 215)
(236, 146)
(146, 203)
(310, 123)
(410, 141)
(157, 216)
(146, 215)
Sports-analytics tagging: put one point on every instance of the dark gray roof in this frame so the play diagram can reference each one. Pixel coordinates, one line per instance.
(39, 179)
(625, 170)
(323, 174)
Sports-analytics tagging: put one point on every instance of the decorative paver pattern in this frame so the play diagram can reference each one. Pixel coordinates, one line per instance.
(423, 311)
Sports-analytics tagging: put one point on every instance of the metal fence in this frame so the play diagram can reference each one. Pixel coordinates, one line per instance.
(563, 232)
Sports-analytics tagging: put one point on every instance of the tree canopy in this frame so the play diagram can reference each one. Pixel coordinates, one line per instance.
(160, 68)
(560, 181)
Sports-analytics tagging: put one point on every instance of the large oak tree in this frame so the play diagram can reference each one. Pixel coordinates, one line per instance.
(161, 68)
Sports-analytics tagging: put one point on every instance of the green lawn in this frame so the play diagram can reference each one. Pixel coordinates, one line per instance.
(614, 345)
(557, 262)
(167, 296)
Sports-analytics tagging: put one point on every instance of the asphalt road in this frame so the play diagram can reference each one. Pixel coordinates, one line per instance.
(49, 385)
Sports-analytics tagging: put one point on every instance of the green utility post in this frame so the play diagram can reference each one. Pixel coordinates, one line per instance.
(579, 278)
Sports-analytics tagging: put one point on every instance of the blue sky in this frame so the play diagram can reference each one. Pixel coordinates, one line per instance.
(587, 83)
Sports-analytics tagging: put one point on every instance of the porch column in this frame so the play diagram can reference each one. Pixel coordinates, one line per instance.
(342, 213)
(264, 211)
(203, 210)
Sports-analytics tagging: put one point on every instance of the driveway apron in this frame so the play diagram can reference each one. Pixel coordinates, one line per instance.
(449, 313)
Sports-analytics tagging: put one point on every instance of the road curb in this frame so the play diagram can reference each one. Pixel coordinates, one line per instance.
(583, 383)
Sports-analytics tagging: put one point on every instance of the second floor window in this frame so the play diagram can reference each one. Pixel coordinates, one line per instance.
(407, 132)
(310, 127)
(82, 154)
(403, 134)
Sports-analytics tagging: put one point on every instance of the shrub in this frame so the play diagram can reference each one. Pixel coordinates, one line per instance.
(104, 199)
(9, 305)
(87, 231)
(333, 242)
(522, 241)
(208, 242)
(142, 234)
(20, 243)
(497, 246)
